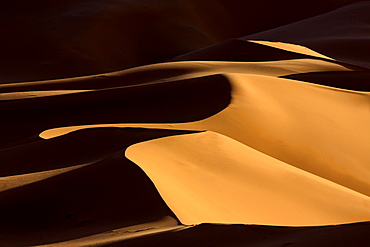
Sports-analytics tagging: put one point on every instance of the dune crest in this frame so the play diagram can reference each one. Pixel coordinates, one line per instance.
(291, 47)
(15, 181)
(204, 69)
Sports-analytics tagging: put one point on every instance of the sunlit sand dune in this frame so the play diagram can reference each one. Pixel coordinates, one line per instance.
(184, 123)
(303, 113)
(208, 177)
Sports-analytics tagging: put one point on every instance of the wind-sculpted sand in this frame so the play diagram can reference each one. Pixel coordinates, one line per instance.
(192, 136)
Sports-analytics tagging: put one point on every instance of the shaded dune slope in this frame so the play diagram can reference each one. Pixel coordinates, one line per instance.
(238, 235)
(242, 131)
(107, 192)
(343, 34)
(353, 80)
(177, 101)
(81, 37)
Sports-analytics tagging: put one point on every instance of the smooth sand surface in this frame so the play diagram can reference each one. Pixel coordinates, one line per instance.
(207, 177)
(184, 123)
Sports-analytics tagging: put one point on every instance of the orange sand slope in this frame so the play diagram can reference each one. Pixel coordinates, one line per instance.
(270, 129)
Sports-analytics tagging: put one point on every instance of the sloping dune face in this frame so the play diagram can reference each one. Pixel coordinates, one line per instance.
(264, 129)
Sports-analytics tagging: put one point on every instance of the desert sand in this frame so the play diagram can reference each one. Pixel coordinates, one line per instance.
(184, 123)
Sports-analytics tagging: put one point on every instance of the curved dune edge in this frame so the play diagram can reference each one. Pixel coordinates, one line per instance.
(207, 68)
(207, 177)
(36, 94)
(318, 129)
(356, 234)
(291, 47)
(342, 34)
(107, 196)
(165, 224)
(171, 71)
(15, 181)
(322, 124)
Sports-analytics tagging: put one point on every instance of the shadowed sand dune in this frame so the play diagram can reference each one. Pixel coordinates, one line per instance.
(358, 80)
(343, 34)
(46, 40)
(105, 192)
(158, 102)
(238, 235)
(152, 123)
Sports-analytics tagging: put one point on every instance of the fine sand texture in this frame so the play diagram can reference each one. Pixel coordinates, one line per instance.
(184, 123)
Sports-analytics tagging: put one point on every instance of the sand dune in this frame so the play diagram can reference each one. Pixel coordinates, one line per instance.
(184, 123)
(242, 235)
(223, 181)
(73, 202)
(47, 40)
(342, 34)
